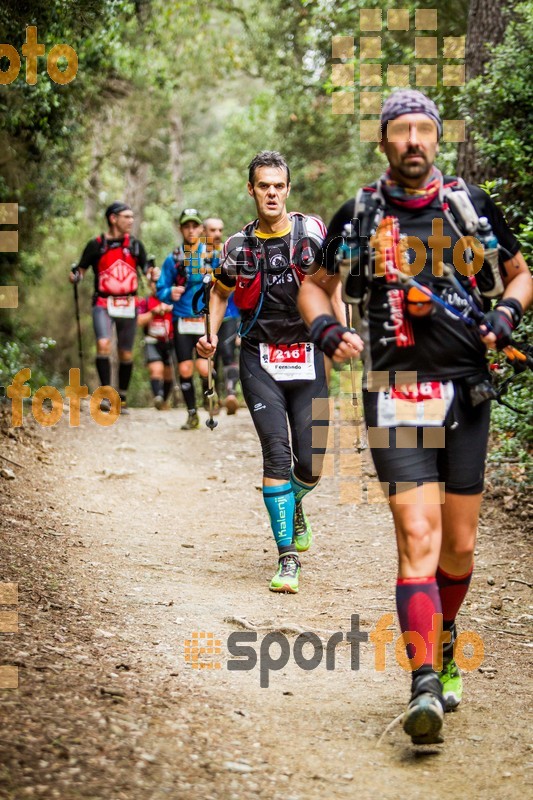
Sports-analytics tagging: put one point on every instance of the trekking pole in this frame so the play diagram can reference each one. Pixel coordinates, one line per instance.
(74, 269)
(210, 393)
(513, 353)
(359, 443)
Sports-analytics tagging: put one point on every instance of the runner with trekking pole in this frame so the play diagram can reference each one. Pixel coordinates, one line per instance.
(283, 376)
(182, 274)
(117, 259)
(425, 372)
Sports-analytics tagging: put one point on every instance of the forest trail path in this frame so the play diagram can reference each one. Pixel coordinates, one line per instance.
(161, 533)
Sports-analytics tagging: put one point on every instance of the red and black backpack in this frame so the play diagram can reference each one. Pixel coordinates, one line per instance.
(117, 279)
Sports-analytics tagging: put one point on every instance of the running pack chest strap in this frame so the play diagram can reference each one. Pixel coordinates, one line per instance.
(459, 210)
(252, 284)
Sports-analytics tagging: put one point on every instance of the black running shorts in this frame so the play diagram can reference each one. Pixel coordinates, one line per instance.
(158, 351)
(126, 328)
(453, 454)
(185, 345)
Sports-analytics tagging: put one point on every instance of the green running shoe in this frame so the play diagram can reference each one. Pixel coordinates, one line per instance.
(303, 535)
(286, 578)
(452, 685)
(192, 423)
(425, 713)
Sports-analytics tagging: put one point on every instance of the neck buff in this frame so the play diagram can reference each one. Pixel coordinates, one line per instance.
(406, 197)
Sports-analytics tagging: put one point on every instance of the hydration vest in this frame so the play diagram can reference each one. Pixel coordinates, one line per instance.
(251, 284)
(117, 267)
(459, 212)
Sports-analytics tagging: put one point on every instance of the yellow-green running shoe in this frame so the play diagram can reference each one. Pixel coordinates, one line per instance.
(192, 422)
(286, 577)
(303, 535)
(452, 685)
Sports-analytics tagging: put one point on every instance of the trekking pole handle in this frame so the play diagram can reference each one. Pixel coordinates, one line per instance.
(206, 281)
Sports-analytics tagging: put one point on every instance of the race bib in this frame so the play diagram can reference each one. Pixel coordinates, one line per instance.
(417, 405)
(121, 307)
(158, 328)
(288, 362)
(194, 325)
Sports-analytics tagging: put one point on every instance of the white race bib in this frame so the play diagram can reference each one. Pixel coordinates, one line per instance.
(158, 328)
(288, 362)
(417, 405)
(121, 307)
(194, 325)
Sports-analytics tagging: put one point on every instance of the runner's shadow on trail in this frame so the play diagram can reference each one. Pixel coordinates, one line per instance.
(416, 753)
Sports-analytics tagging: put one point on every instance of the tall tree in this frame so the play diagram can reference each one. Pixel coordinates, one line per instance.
(487, 22)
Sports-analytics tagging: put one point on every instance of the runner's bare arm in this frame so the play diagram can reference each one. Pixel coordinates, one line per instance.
(338, 306)
(217, 309)
(315, 295)
(315, 300)
(518, 285)
(144, 319)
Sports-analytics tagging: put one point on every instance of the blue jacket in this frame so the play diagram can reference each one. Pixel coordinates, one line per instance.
(167, 279)
(232, 311)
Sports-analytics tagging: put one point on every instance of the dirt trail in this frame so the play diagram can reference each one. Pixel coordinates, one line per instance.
(126, 540)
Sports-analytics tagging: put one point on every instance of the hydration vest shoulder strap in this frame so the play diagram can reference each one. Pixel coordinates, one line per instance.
(459, 207)
(102, 243)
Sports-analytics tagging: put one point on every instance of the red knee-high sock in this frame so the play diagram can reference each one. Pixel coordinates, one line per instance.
(452, 590)
(417, 600)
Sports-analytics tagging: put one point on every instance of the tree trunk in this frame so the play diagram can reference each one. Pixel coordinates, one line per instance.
(94, 183)
(176, 155)
(135, 191)
(487, 21)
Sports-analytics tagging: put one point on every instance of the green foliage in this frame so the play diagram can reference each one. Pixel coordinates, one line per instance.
(513, 432)
(15, 355)
(503, 99)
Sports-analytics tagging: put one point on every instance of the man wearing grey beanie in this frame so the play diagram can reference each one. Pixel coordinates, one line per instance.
(426, 385)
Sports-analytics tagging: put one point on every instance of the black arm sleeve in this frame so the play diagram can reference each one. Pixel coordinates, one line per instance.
(90, 256)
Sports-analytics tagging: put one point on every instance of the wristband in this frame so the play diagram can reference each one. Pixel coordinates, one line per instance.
(326, 332)
(514, 306)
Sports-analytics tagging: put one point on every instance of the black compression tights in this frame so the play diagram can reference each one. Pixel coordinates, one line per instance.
(275, 407)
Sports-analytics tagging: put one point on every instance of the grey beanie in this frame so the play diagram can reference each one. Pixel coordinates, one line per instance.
(409, 101)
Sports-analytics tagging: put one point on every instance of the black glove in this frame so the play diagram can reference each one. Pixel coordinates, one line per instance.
(327, 333)
(501, 326)
(78, 275)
